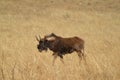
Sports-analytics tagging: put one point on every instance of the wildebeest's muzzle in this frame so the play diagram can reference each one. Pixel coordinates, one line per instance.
(41, 47)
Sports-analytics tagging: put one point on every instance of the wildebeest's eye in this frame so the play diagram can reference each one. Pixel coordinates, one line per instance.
(40, 42)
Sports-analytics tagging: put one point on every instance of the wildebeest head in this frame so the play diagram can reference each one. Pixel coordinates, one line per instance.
(42, 44)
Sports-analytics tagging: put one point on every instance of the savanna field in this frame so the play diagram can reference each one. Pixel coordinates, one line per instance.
(95, 21)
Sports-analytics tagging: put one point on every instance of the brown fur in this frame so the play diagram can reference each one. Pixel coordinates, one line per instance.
(63, 46)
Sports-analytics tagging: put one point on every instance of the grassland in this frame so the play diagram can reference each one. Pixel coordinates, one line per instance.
(95, 21)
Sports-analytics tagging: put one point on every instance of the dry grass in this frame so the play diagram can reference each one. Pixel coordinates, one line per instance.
(96, 21)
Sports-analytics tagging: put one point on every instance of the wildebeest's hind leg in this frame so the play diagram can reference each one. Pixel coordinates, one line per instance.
(83, 54)
(55, 56)
(79, 54)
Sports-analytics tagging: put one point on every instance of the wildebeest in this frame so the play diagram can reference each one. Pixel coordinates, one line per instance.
(61, 46)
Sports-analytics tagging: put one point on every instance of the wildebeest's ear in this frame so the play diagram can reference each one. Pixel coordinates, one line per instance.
(52, 34)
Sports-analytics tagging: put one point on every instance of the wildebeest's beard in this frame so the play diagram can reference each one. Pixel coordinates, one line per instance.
(42, 45)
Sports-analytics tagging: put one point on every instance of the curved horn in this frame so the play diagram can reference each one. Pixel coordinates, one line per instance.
(37, 38)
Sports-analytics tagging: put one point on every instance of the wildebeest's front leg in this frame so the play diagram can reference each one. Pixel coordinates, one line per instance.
(55, 56)
(61, 57)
